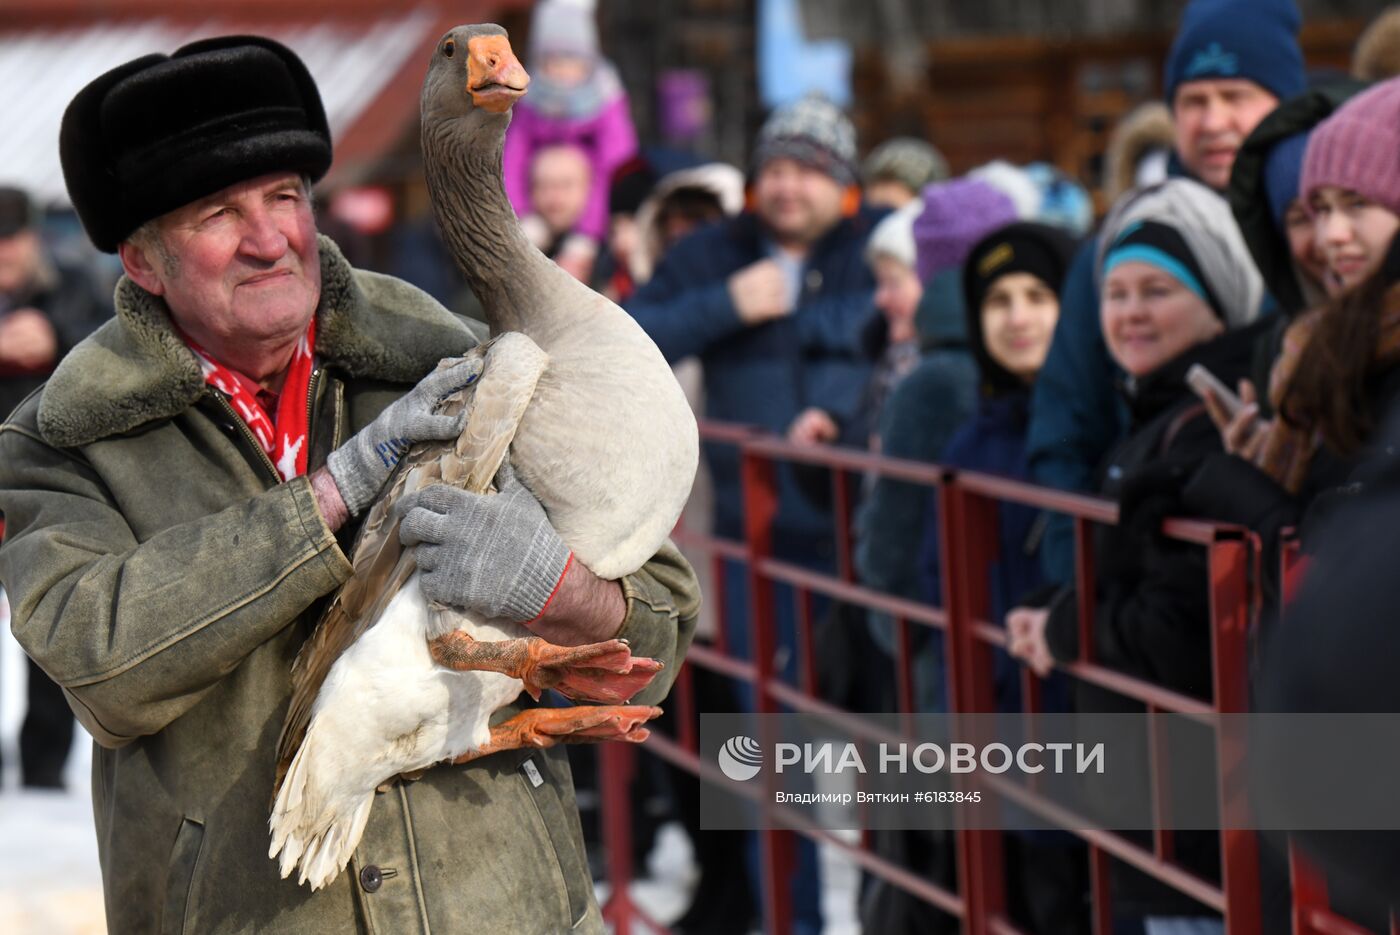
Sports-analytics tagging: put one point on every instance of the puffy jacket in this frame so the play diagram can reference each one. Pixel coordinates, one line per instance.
(765, 375)
(1075, 414)
(1152, 601)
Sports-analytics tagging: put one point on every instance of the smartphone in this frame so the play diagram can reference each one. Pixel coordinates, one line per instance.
(1202, 381)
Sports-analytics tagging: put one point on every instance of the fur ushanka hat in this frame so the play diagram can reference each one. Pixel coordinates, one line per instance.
(164, 130)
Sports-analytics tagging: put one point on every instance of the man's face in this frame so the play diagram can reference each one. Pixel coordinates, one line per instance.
(797, 202)
(560, 178)
(19, 260)
(1213, 116)
(240, 266)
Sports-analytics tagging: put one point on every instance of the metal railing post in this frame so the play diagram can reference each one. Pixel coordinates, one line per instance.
(968, 529)
(1231, 607)
(617, 766)
(777, 849)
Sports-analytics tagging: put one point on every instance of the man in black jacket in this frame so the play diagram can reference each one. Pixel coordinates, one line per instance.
(45, 308)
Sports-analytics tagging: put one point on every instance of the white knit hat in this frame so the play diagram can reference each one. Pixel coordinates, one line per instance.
(894, 236)
(568, 27)
(1204, 221)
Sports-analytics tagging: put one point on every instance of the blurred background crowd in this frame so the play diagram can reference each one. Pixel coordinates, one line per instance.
(998, 236)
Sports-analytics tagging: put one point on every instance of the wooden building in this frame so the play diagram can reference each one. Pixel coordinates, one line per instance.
(1023, 80)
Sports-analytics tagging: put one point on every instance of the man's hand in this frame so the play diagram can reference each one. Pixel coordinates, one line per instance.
(27, 339)
(760, 293)
(493, 555)
(362, 465)
(813, 426)
(1026, 626)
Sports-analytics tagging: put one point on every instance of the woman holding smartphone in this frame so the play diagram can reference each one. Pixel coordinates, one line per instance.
(1178, 289)
(1339, 368)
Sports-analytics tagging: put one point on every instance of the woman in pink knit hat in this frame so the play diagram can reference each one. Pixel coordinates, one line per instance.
(1351, 183)
(1338, 372)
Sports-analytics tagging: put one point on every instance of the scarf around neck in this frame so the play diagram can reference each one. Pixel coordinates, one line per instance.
(282, 438)
(582, 101)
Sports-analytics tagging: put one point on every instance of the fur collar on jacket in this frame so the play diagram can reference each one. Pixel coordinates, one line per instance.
(135, 369)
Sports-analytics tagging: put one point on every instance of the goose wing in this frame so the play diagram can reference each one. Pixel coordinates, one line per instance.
(381, 566)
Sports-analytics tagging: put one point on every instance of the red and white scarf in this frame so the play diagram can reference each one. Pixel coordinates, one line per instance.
(284, 440)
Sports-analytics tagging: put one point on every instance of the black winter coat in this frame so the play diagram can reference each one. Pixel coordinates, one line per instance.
(1152, 610)
(1152, 618)
(1334, 652)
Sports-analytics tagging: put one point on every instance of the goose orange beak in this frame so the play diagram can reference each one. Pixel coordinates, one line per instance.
(495, 77)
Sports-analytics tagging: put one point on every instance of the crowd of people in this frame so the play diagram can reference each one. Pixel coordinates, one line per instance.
(983, 322)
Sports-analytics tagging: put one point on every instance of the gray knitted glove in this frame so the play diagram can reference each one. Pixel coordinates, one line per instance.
(362, 465)
(494, 555)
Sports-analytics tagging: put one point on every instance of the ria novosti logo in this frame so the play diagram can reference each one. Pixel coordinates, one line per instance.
(740, 758)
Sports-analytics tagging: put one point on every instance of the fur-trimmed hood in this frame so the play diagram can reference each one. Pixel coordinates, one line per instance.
(135, 369)
(1146, 129)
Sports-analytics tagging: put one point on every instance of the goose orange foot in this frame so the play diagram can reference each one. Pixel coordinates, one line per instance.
(606, 672)
(545, 727)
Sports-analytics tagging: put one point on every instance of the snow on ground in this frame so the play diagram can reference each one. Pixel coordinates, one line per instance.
(50, 883)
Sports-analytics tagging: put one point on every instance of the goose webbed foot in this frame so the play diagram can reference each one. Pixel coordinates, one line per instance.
(545, 727)
(606, 671)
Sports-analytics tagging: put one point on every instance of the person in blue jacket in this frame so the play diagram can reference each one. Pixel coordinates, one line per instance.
(1011, 284)
(1222, 78)
(1010, 288)
(775, 302)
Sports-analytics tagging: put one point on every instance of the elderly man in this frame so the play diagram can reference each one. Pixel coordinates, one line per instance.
(180, 498)
(1231, 63)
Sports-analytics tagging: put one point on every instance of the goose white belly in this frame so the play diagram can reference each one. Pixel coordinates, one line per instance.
(385, 708)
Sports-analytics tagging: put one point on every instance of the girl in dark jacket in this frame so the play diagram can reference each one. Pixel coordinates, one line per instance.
(1011, 283)
(1177, 289)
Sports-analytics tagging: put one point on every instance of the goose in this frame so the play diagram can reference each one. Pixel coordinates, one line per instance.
(576, 401)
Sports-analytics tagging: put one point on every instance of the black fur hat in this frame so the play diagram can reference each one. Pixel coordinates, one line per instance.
(162, 131)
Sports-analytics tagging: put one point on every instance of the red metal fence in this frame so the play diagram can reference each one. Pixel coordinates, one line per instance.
(967, 513)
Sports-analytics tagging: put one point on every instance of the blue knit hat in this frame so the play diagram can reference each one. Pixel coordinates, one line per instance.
(1253, 39)
(1283, 173)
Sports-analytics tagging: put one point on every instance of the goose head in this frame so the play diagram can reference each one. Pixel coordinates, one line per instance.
(474, 76)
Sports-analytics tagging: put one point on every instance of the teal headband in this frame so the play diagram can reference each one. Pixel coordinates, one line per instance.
(1155, 256)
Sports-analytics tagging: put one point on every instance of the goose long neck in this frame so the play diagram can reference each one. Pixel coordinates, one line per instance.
(479, 225)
